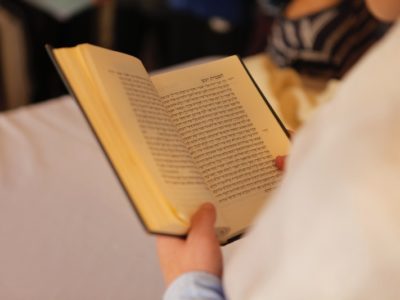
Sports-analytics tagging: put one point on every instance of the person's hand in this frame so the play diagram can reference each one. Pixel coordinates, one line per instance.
(280, 162)
(281, 159)
(199, 252)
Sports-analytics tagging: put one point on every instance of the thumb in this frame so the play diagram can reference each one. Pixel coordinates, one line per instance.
(203, 221)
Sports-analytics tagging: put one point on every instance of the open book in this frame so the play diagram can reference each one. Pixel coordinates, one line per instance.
(199, 134)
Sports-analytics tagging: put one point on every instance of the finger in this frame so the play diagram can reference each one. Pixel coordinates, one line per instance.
(280, 162)
(203, 221)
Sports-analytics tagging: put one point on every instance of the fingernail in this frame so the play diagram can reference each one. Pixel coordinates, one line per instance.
(208, 206)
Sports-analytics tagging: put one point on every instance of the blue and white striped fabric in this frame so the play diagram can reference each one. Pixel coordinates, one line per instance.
(325, 44)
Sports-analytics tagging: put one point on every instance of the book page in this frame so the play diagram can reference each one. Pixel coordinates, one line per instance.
(230, 132)
(151, 140)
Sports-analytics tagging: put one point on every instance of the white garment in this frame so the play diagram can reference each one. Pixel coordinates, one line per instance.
(332, 231)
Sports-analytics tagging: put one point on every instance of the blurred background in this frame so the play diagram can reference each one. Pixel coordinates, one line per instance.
(318, 37)
(159, 32)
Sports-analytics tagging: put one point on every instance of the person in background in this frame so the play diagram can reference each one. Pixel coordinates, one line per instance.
(322, 38)
(139, 27)
(168, 32)
(332, 229)
(199, 28)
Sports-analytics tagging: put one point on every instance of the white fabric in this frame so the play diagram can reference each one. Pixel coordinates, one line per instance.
(332, 231)
(66, 229)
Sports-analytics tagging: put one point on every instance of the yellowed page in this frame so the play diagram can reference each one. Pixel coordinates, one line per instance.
(230, 132)
(137, 134)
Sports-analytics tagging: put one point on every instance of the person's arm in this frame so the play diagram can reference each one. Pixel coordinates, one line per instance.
(192, 268)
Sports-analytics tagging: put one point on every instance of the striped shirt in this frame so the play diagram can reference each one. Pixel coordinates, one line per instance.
(324, 44)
